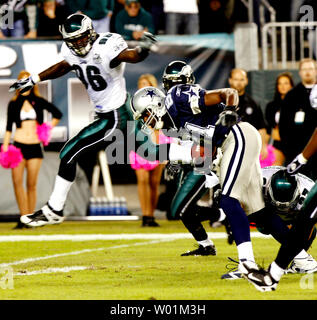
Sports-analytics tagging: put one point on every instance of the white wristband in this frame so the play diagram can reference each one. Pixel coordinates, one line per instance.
(302, 159)
(35, 78)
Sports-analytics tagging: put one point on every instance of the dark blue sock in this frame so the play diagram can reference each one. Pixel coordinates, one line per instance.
(237, 219)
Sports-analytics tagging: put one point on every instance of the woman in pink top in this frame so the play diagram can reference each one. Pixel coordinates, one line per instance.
(148, 173)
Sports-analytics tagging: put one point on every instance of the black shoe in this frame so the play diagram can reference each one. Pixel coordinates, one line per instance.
(201, 251)
(21, 225)
(149, 222)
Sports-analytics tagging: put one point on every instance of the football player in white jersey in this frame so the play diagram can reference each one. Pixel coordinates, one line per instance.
(99, 61)
(284, 198)
(299, 233)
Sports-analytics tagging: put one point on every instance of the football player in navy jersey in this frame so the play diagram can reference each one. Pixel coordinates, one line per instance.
(188, 106)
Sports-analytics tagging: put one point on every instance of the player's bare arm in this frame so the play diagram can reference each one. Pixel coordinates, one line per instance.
(53, 72)
(57, 70)
(228, 96)
(128, 55)
(137, 54)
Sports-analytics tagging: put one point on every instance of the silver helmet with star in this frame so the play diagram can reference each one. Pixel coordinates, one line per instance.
(147, 105)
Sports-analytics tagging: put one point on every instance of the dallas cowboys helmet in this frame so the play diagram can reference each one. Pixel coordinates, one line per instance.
(177, 72)
(78, 34)
(283, 190)
(147, 105)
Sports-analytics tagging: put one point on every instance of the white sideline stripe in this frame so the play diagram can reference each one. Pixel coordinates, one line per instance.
(72, 253)
(126, 236)
(50, 270)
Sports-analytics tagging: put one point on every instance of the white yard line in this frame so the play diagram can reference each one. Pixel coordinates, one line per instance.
(92, 237)
(72, 253)
(50, 270)
(126, 236)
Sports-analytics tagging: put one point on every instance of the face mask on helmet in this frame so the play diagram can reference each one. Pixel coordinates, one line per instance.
(78, 34)
(177, 72)
(283, 191)
(147, 105)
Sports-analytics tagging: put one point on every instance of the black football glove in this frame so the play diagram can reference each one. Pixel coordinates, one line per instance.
(228, 117)
(23, 85)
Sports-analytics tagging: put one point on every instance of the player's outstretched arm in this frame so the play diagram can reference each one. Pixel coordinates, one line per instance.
(57, 70)
(137, 54)
(53, 72)
(228, 96)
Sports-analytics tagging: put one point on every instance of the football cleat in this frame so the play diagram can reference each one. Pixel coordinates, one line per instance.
(233, 273)
(46, 215)
(201, 251)
(303, 265)
(260, 278)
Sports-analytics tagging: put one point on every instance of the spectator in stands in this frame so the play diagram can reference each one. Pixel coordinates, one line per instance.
(156, 9)
(118, 6)
(148, 173)
(99, 11)
(133, 21)
(284, 83)
(298, 118)
(249, 110)
(51, 14)
(26, 111)
(181, 17)
(212, 16)
(23, 15)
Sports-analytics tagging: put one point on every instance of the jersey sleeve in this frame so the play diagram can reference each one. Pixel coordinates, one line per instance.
(114, 45)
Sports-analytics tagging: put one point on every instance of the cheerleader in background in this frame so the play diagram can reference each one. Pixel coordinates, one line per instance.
(26, 111)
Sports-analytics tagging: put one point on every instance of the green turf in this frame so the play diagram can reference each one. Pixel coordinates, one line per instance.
(136, 272)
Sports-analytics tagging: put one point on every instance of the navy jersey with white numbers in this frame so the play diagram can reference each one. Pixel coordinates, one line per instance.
(186, 104)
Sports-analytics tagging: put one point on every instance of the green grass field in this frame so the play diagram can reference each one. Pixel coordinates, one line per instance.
(147, 267)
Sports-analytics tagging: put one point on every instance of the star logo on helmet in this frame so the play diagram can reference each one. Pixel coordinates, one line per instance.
(151, 93)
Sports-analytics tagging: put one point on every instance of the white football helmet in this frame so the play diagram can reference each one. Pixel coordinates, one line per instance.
(147, 105)
(78, 34)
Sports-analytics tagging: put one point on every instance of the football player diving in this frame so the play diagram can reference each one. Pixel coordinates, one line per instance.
(99, 62)
(187, 105)
(299, 233)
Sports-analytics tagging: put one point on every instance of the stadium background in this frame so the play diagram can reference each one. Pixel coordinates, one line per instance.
(212, 56)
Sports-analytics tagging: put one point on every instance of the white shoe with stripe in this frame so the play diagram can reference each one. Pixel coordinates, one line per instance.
(46, 215)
